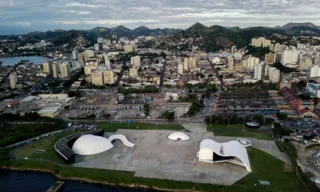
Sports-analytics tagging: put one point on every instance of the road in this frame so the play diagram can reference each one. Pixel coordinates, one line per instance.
(217, 73)
(120, 75)
(162, 76)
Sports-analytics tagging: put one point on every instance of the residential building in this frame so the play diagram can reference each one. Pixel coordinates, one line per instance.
(314, 71)
(258, 71)
(129, 48)
(269, 58)
(277, 48)
(97, 78)
(13, 80)
(108, 77)
(96, 46)
(56, 69)
(136, 61)
(107, 63)
(186, 64)
(88, 69)
(230, 62)
(260, 42)
(274, 74)
(180, 68)
(65, 70)
(251, 62)
(75, 54)
(88, 54)
(133, 73)
(47, 68)
(290, 56)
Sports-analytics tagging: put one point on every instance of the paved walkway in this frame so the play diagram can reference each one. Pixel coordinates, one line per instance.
(268, 146)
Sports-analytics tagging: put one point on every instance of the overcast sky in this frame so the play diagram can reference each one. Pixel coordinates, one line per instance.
(30, 15)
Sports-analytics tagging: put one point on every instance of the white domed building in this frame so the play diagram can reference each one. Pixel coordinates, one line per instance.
(91, 144)
(177, 136)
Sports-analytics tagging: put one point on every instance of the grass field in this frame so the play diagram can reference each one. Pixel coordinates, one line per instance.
(113, 127)
(43, 144)
(237, 131)
(264, 166)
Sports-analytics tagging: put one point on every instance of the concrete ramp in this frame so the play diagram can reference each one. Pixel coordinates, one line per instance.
(121, 138)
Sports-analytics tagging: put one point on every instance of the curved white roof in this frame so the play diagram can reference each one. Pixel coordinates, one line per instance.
(178, 136)
(121, 138)
(228, 149)
(90, 145)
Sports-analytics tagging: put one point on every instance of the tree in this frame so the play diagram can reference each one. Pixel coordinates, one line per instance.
(146, 108)
(169, 115)
(207, 120)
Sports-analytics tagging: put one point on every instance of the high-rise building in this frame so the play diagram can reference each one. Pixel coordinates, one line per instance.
(96, 46)
(258, 71)
(277, 47)
(129, 48)
(108, 77)
(136, 61)
(55, 69)
(274, 74)
(88, 54)
(75, 54)
(314, 71)
(192, 63)
(65, 70)
(81, 57)
(260, 42)
(251, 62)
(290, 57)
(180, 68)
(186, 64)
(271, 47)
(233, 49)
(269, 58)
(107, 63)
(133, 73)
(230, 62)
(97, 78)
(13, 80)
(47, 67)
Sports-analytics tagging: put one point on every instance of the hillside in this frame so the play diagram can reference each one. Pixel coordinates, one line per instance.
(294, 25)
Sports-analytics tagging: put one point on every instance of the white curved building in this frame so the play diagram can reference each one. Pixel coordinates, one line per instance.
(176, 136)
(232, 151)
(90, 145)
(122, 138)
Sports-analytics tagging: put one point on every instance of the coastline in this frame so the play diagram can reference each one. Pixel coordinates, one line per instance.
(90, 181)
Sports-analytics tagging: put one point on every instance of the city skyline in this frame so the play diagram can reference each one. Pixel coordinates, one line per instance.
(40, 15)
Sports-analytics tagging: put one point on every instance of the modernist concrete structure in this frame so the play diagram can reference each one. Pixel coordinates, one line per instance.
(232, 151)
(176, 136)
(90, 145)
(122, 138)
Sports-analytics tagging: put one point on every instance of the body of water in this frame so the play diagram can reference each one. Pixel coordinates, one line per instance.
(22, 181)
(32, 59)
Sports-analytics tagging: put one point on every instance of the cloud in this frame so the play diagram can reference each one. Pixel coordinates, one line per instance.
(76, 12)
(76, 4)
(83, 14)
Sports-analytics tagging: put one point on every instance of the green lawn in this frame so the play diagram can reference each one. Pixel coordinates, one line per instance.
(43, 144)
(264, 166)
(113, 127)
(236, 131)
